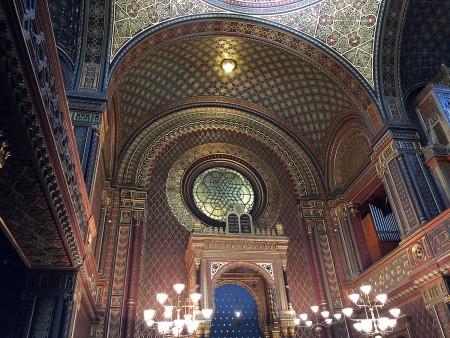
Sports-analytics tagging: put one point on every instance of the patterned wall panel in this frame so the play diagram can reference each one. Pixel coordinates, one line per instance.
(66, 24)
(164, 239)
(422, 322)
(43, 320)
(25, 211)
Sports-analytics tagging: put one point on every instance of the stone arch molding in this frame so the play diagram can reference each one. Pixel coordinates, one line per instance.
(137, 159)
(176, 173)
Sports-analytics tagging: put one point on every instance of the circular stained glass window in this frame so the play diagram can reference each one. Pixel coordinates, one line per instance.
(217, 189)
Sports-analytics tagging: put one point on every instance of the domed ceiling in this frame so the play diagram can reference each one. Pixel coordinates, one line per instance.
(268, 79)
(345, 26)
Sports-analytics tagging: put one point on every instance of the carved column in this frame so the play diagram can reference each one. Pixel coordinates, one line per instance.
(438, 161)
(127, 256)
(86, 115)
(433, 110)
(347, 240)
(437, 299)
(314, 215)
(66, 317)
(138, 221)
(407, 181)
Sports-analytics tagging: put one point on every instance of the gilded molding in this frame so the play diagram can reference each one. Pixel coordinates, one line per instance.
(137, 159)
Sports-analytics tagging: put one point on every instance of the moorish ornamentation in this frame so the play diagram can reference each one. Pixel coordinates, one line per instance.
(347, 27)
(217, 190)
(176, 173)
(308, 100)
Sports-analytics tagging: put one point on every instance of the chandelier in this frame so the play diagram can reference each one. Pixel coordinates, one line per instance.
(372, 324)
(317, 322)
(172, 325)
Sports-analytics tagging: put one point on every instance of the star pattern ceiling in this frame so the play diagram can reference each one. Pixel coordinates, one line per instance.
(65, 20)
(300, 94)
(346, 26)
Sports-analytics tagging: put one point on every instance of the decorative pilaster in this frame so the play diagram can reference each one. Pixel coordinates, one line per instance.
(314, 215)
(433, 110)
(47, 304)
(438, 161)
(138, 222)
(437, 299)
(131, 208)
(67, 313)
(346, 238)
(86, 114)
(407, 181)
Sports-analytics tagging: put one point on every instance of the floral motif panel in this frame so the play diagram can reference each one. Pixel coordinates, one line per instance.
(346, 26)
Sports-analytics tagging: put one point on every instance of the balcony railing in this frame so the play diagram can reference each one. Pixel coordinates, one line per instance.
(419, 258)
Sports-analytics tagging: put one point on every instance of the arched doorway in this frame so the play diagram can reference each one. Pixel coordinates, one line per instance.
(236, 313)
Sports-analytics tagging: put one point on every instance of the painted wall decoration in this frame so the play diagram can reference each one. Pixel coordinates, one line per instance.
(346, 26)
(164, 238)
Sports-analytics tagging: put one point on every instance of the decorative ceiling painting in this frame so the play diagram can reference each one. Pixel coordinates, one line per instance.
(346, 26)
(299, 93)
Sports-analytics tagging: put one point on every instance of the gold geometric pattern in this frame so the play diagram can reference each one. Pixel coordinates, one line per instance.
(348, 27)
(176, 173)
(138, 159)
(301, 94)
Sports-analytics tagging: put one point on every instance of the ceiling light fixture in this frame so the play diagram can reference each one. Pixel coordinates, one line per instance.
(228, 65)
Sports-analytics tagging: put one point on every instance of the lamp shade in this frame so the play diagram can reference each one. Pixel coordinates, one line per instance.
(347, 311)
(354, 297)
(228, 65)
(162, 297)
(395, 312)
(195, 297)
(178, 288)
(207, 313)
(358, 326)
(366, 289)
(149, 314)
(325, 314)
(381, 298)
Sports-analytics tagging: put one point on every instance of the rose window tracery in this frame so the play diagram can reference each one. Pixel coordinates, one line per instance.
(218, 189)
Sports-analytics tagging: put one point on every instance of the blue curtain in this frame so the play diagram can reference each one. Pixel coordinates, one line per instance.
(227, 299)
